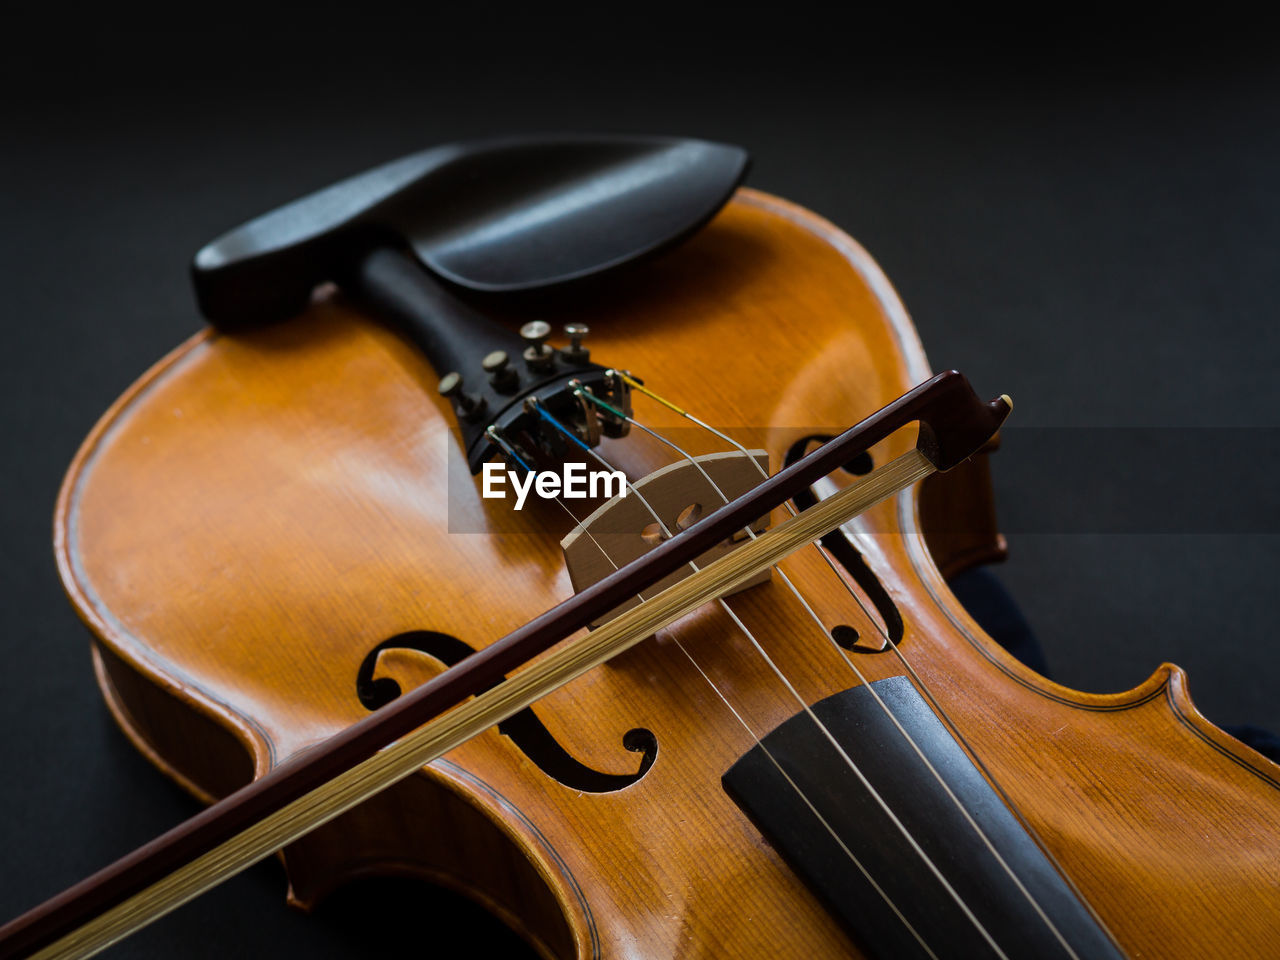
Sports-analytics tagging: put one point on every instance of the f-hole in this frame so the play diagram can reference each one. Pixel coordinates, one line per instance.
(838, 545)
(524, 729)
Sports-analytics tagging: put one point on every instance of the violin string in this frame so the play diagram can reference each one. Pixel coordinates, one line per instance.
(507, 448)
(821, 727)
(1049, 855)
(640, 387)
(844, 655)
(584, 392)
(918, 682)
(511, 452)
(496, 436)
(614, 411)
(738, 716)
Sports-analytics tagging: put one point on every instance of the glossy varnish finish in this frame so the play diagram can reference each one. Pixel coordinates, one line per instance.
(259, 512)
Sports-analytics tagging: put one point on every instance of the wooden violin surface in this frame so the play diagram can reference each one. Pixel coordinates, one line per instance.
(263, 516)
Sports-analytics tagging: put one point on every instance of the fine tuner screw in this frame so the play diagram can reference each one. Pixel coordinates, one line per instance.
(576, 352)
(537, 354)
(468, 406)
(502, 375)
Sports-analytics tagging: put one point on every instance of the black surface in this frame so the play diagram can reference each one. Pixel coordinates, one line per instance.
(1091, 226)
(884, 889)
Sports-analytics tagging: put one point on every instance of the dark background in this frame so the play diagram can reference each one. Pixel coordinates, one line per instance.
(1085, 218)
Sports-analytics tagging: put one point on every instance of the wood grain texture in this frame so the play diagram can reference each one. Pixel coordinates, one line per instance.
(259, 512)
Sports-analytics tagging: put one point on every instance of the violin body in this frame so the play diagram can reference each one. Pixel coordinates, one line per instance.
(264, 516)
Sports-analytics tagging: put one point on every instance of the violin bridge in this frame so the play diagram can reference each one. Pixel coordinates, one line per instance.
(680, 493)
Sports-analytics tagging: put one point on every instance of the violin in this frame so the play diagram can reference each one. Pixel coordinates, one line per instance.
(303, 525)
